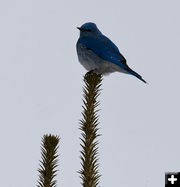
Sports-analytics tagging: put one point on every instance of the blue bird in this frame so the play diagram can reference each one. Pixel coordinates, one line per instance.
(99, 54)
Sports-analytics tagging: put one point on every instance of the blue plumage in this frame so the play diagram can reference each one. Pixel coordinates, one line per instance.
(98, 53)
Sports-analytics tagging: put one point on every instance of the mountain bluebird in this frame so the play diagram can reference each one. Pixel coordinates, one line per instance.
(99, 54)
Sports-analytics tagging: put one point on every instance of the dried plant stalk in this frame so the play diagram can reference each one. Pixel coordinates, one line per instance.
(47, 170)
(88, 125)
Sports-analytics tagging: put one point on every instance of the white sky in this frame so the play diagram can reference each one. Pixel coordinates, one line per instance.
(41, 90)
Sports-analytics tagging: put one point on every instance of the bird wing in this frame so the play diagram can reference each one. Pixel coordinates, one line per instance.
(105, 49)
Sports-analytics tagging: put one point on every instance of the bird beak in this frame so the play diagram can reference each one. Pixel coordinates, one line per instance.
(82, 30)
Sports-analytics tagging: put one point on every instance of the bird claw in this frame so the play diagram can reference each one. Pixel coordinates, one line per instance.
(90, 72)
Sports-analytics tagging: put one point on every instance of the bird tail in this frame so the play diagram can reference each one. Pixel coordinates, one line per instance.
(130, 71)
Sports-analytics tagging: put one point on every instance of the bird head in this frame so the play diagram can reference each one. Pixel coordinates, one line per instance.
(89, 29)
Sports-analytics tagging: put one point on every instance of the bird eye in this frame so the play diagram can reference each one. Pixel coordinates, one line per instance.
(88, 30)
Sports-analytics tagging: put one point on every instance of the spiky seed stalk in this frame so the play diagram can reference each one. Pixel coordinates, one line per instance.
(48, 164)
(88, 125)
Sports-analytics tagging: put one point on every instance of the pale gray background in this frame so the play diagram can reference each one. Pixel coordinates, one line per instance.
(41, 90)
